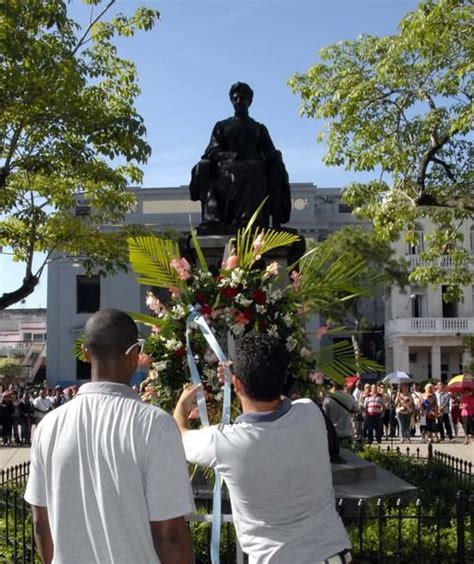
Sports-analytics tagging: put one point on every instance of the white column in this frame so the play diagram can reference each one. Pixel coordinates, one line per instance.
(400, 356)
(436, 362)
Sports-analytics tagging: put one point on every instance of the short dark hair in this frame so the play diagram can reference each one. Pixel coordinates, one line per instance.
(109, 333)
(241, 87)
(261, 364)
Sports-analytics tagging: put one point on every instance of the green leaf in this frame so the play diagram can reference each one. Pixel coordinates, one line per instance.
(150, 257)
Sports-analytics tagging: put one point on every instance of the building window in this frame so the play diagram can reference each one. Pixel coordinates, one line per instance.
(38, 337)
(27, 337)
(83, 370)
(418, 305)
(88, 293)
(344, 208)
(450, 309)
(419, 246)
(413, 358)
(471, 239)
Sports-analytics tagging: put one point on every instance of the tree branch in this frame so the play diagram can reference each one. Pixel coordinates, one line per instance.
(446, 167)
(90, 26)
(27, 288)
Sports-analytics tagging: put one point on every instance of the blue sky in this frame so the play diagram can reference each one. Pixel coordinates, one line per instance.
(198, 49)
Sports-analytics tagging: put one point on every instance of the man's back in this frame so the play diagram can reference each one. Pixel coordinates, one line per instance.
(279, 479)
(106, 464)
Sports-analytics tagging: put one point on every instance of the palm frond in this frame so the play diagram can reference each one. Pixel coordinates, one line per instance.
(148, 320)
(78, 350)
(150, 258)
(197, 247)
(271, 240)
(337, 361)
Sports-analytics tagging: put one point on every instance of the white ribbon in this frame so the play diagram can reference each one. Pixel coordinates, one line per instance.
(196, 317)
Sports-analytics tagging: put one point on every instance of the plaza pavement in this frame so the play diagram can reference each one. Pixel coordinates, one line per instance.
(9, 456)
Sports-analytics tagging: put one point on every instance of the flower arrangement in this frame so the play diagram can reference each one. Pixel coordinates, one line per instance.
(248, 294)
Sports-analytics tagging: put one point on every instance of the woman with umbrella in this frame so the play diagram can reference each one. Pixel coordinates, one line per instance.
(465, 385)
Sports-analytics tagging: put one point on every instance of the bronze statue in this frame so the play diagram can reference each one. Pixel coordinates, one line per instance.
(238, 170)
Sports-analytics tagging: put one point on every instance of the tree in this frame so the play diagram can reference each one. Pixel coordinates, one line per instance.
(352, 244)
(10, 368)
(401, 106)
(69, 130)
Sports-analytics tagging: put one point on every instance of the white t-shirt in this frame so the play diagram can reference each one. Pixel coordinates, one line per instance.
(105, 465)
(277, 470)
(42, 407)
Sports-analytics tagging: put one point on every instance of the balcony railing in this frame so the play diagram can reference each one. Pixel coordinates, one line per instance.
(442, 262)
(431, 325)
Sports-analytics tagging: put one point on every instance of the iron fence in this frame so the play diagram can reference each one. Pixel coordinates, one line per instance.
(381, 531)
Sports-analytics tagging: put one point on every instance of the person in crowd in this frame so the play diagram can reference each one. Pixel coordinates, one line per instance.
(15, 416)
(27, 412)
(59, 398)
(117, 488)
(358, 418)
(42, 405)
(455, 405)
(404, 408)
(6, 418)
(444, 408)
(467, 413)
(68, 394)
(415, 415)
(386, 411)
(274, 460)
(365, 394)
(374, 407)
(340, 407)
(429, 407)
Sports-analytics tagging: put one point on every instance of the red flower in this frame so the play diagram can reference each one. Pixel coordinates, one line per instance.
(205, 310)
(229, 292)
(200, 298)
(259, 297)
(180, 352)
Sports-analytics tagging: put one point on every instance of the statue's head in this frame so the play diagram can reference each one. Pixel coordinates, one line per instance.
(239, 93)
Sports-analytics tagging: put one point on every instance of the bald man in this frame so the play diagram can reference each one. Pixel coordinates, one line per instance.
(108, 480)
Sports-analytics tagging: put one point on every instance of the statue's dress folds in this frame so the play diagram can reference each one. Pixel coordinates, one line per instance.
(238, 170)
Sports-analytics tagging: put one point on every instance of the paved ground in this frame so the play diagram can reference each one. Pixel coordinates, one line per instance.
(9, 456)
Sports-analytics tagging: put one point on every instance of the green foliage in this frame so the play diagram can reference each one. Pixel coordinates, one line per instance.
(10, 367)
(69, 130)
(401, 106)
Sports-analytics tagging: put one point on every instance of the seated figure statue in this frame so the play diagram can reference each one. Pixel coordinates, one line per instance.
(239, 169)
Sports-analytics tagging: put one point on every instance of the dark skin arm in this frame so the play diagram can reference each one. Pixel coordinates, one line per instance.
(43, 538)
(172, 541)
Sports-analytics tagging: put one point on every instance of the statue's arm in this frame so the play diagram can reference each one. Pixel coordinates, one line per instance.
(218, 148)
(266, 146)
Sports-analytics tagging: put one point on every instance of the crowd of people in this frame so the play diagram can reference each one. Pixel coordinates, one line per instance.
(368, 412)
(21, 408)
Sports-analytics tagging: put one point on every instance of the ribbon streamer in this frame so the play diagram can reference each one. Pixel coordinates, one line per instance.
(196, 317)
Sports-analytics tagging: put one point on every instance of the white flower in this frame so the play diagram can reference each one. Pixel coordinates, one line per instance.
(275, 295)
(272, 331)
(260, 308)
(236, 277)
(173, 344)
(305, 352)
(161, 365)
(291, 343)
(242, 300)
(237, 329)
(178, 312)
(288, 319)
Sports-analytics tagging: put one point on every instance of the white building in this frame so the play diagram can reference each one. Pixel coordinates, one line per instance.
(423, 334)
(315, 213)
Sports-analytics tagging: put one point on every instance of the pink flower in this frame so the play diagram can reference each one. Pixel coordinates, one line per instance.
(232, 262)
(271, 270)
(182, 267)
(144, 360)
(258, 245)
(316, 377)
(154, 304)
(241, 319)
(155, 329)
(321, 332)
(175, 292)
(295, 276)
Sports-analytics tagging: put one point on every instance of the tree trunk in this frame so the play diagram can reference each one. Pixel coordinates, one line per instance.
(27, 288)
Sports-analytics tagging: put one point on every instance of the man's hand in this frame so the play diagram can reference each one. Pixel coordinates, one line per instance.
(185, 405)
(221, 370)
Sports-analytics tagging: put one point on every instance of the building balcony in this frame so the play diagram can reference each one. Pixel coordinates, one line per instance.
(430, 325)
(444, 262)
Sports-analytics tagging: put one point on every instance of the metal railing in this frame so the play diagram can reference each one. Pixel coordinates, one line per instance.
(381, 531)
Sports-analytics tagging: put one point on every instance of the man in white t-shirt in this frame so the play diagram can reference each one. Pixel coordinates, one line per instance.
(275, 462)
(42, 405)
(108, 481)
